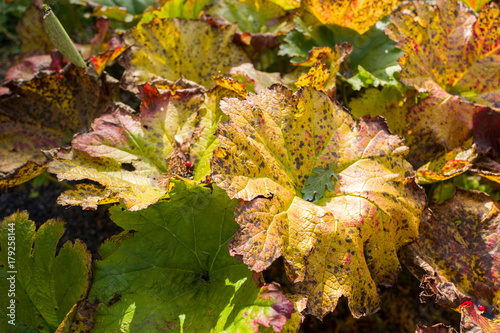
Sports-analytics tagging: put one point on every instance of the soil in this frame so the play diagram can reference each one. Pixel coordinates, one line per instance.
(90, 226)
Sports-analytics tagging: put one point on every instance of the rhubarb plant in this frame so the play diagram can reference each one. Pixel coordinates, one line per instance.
(307, 137)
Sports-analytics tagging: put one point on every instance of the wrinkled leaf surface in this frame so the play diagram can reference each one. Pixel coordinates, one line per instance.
(345, 243)
(170, 269)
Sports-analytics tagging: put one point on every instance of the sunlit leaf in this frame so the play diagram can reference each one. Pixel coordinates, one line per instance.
(170, 48)
(372, 102)
(446, 166)
(357, 15)
(252, 16)
(44, 113)
(45, 285)
(186, 9)
(344, 244)
(325, 63)
(372, 51)
(452, 53)
(316, 77)
(135, 154)
(170, 269)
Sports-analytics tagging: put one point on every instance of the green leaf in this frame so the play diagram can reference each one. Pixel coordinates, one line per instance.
(357, 15)
(373, 59)
(315, 184)
(172, 270)
(46, 285)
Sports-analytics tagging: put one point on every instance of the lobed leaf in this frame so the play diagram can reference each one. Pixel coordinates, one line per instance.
(453, 54)
(373, 53)
(171, 48)
(458, 243)
(134, 155)
(46, 285)
(357, 15)
(170, 270)
(345, 243)
(315, 184)
(44, 113)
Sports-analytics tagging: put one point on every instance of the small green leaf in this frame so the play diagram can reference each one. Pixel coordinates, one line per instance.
(315, 184)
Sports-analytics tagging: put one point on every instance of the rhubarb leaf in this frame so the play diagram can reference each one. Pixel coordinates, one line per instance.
(451, 52)
(171, 48)
(468, 258)
(373, 51)
(45, 286)
(170, 269)
(133, 155)
(345, 243)
(356, 15)
(44, 113)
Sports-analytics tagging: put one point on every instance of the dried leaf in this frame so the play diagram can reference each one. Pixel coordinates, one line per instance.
(459, 244)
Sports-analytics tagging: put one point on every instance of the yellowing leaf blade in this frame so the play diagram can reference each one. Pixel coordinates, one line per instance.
(171, 48)
(453, 53)
(270, 147)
